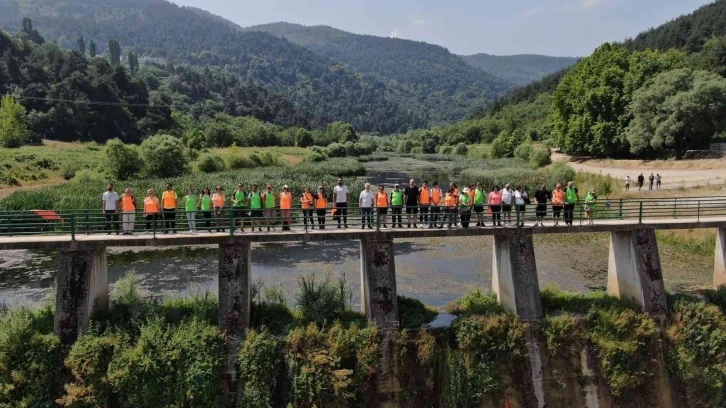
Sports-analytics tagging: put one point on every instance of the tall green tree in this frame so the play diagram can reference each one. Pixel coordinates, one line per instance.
(713, 56)
(681, 109)
(114, 50)
(30, 33)
(14, 130)
(122, 161)
(132, 63)
(92, 49)
(81, 45)
(163, 156)
(342, 132)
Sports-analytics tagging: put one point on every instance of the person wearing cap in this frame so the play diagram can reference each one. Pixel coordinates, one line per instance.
(286, 208)
(340, 199)
(254, 202)
(465, 202)
(396, 201)
(381, 202)
(321, 206)
(269, 200)
(307, 202)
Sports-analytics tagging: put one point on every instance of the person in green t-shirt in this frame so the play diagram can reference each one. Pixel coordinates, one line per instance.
(239, 204)
(571, 198)
(205, 205)
(396, 206)
(590, 206)
(479, 205)
(269, 202)
(254, 201)
(190, 208)
(465, 207)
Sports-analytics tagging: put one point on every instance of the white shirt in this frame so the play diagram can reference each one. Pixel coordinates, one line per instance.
(366, 199)
(627, 180)
(507, 196)
(341, 193)
(110, 200)
(518, 198)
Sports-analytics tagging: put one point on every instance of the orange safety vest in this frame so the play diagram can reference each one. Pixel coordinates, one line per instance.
(151, 205)
(218, 200)
(306, 200)
(127, 203)
(321, 203)
(450, 200)
(381, 200)
(425, 196)
(285, 201)
(558, 197)
(472, 193)
(436, 196)
(168, 199)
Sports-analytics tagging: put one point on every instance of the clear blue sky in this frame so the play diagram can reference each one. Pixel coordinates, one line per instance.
(551, 27)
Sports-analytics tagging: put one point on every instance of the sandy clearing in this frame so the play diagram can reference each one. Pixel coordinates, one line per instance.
(672, 178)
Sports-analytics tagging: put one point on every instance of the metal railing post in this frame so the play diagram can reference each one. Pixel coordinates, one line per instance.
(153, 226)
(698, 211)
(73, 227)
(378, 220)
(675, 208)
(640, 213)
(620, 209)
(231, 221)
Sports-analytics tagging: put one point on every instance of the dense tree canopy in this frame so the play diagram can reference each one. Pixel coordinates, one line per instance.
(681, 109)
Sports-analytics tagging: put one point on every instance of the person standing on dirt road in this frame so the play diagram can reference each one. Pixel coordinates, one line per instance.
(657, 181)
(641, 181)
(627, 183)
(651, 178)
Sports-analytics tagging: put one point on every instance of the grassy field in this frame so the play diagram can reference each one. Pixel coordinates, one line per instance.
(285, 155)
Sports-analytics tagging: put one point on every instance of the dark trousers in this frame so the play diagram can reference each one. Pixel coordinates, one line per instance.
(151, 218)
(396, 218)
(465, 217)
(496, 214)
(111, 218)
(169, 218)
(207, 219)
(342, 213)
(449, 216)
(321, 218)
(423, 216)
(435, 212)
(569, 213)
(367, 218)
(308, 215)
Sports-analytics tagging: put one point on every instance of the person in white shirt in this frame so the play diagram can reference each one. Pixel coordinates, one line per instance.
(520, 201)
(110, 208)
(340, 198)
(365, 202)
(627, 183)
(507, 194)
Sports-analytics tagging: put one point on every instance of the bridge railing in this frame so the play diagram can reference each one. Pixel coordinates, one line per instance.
(229, 219)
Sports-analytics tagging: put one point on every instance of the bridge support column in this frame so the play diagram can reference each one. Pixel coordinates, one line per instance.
(634, 270)
(719, 266)
(235, 277)
(380, 304)
(81, 290)
(514, 279)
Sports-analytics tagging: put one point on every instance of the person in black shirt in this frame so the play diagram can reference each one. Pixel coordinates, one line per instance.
(410, 195)
(542, 196)
(641, 180)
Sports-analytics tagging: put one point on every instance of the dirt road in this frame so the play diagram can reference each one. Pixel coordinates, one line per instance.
(671, 178)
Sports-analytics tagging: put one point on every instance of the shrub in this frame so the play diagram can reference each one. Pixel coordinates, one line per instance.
(68, 171)
(445, 149)
(697, 333)
(321, 301)
(31, 360)
(717, 297)
(163, 156)
(624, 342)
(564, 334)
(315, 157)
(88, 360)
(540, 157)
(14, 131)
(303, 138)
(170, 366)
(122, 161)
(555, 300)
(523, 151)
(475, 303)
(461, 149)
(467, 382)
(499, 339)
(270, 310)
(260, 362)
(413, 313)
(211, 163)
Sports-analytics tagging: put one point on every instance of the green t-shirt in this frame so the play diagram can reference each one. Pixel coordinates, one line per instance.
(206, 203)
(240, 197)
(255, 201)
(270, 200)
(396, 197)
(464, 198)
(478, 197)
(571, 195)
(191, 203)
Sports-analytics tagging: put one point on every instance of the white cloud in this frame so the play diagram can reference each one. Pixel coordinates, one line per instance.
(589, 3)
(396, 33)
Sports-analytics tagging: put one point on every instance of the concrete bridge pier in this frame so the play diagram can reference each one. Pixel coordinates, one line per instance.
(380, 304)
(514, 276)
(634, 270)
(235, 278)
(719, 265)
(81, 290)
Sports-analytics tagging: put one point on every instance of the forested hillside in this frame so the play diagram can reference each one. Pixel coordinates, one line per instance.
(519, 69)
(156, 28)
(425, 78)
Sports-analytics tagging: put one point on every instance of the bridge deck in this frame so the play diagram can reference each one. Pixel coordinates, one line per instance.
(334, 234)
